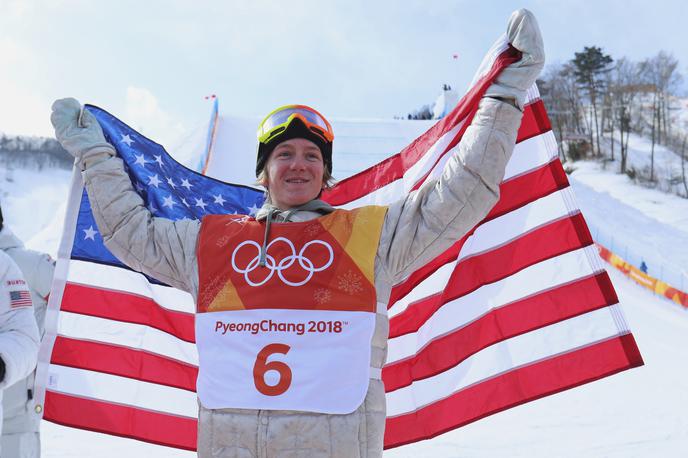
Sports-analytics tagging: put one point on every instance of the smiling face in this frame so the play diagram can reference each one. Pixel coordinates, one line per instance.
(294, 173)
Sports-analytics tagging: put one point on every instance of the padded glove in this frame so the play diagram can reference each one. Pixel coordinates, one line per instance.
(524, 34)
(79, 133)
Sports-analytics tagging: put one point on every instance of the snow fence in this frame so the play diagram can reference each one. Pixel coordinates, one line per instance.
(653, 284)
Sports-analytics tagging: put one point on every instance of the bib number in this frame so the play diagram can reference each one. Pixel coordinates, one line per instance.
(273, 359)
(262, 366)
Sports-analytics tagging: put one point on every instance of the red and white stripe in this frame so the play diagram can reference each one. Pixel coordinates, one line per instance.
(524, 292)
(518, 309)
(124, 361)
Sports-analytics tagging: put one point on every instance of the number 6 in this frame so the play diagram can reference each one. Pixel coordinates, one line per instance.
(262, 366)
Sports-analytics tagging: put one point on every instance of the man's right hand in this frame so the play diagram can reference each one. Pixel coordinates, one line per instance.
(524, 34)
(79, 133)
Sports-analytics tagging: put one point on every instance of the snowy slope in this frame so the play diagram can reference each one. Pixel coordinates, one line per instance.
(659, 206)
(667, 163)
(637, 223)
(679, 112)
(34, 201)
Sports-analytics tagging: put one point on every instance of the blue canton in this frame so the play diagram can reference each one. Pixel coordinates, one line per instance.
(168, 189)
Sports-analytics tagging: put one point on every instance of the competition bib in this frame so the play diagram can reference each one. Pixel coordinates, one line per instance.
(294, 334)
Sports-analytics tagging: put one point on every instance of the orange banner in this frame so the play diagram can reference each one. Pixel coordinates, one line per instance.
(643, 279)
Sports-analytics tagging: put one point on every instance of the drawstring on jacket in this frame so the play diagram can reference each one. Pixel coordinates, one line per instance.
(270, 212)
(263, 249)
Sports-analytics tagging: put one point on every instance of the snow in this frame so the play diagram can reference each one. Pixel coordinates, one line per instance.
(664, 208)
(640, 412)
(634, 235)
(679, 112)
(636, 222)
(34, 204)
(444, 103)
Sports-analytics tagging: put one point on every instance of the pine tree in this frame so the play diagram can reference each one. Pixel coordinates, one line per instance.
(590, 67)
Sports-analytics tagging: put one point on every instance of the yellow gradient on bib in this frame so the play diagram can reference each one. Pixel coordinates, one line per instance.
(360, 244)
(226, 299)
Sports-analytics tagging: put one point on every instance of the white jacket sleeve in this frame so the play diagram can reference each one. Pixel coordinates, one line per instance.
(18, 332)
(159, 247)
(38, 269)
(428, 221)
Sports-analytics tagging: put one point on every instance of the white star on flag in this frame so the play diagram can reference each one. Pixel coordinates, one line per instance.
(184, 202)
(171, 183)
(126, 139)
(186, 184)
(200, 203)
(168, 202)
(219, 199)
(90, 233)
(154, 180)
(140, 160)
(158, 159)
(253, 210)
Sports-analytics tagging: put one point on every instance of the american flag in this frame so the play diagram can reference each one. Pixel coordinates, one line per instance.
(518, 309)
(20, 299)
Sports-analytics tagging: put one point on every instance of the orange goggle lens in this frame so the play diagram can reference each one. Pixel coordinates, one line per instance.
(279, 120)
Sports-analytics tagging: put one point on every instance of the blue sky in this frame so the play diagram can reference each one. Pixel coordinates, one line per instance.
(152, 62)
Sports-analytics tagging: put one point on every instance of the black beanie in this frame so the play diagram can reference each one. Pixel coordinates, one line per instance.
(296, 129)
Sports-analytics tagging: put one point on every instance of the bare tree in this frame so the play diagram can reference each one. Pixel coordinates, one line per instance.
(608, 117)
(650, 75)
(661, 74)
(624, 90)
(561, 95)
(550, 97)
(668, 81)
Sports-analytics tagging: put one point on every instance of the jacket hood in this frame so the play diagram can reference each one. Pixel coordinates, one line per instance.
(9, 240)
(315, 205)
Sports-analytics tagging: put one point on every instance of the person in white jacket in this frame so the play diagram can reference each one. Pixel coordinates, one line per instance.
(18, 331)
(21, 423)
(225, 260)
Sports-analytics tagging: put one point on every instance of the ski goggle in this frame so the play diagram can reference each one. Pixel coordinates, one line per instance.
(277, 122)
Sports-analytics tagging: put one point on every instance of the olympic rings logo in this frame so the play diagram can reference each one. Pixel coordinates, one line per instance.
(273, 266)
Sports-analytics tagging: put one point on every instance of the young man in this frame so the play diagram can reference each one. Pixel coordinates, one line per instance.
(301, 258)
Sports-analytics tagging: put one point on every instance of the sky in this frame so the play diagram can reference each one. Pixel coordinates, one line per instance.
(152, 63)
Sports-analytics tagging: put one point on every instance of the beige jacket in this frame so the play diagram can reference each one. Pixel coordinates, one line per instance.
(416, 230)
